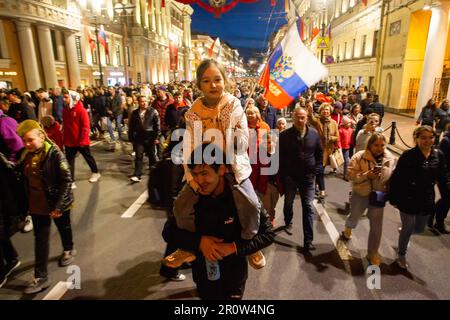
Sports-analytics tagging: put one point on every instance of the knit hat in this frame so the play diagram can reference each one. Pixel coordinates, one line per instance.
(26, 126)
(337, 105)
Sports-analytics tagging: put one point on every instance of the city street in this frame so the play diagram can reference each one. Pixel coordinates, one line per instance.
(119, 257)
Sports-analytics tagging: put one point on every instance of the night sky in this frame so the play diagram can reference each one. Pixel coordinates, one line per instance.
(246, 27)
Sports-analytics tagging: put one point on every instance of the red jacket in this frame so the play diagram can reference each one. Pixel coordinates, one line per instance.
(258, 180)
(55, 134)
(345, 137)
(76, 127)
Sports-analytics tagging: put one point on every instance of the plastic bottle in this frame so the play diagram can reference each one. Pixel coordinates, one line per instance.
(212, 270)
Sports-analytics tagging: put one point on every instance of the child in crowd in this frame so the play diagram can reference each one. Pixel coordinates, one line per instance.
(49, 181)
(53, 130)
(281, 124)
(219, 110)
(345, 138)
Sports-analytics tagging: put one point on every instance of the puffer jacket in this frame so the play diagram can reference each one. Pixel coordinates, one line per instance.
(55, 176)
(362, 162)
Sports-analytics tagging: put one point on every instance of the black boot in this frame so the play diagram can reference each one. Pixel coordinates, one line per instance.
(441, 228)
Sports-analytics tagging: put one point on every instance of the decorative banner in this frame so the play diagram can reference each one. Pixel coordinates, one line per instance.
(219, 7)
(173, 53)
(90, 40)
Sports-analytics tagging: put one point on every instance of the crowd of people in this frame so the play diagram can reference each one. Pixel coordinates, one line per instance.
(220, 213)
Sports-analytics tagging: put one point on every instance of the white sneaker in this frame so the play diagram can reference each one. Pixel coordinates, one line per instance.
(178, 277)
(95, 177)
(74, 186)
(135, 179)
(28, 224)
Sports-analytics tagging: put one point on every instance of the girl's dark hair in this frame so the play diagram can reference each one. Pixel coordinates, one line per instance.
(204, 65)
(213, 157)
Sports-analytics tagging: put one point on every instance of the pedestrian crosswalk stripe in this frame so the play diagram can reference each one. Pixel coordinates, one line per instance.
(57, 291)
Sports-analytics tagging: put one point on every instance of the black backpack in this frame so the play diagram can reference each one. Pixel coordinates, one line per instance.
(159, 184)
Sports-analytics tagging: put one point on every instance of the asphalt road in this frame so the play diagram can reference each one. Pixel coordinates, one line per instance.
(119, 258)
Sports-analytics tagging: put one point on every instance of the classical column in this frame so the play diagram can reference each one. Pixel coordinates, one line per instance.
(187, 46)
(433, 61)
(28, 55)
(72, 60)
(158, 17)
(59, 46)
(164, 21)
(3, 48)
(146, 13)
(47, 56)
(168, 18)
(152, 19)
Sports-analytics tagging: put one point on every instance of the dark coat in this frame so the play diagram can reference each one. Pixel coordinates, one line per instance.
(218, 217)
(411, 188)
(13, 200)
(147, 131)
(99, 105)
(444, 146)
(300, 157)
(56, 178)
(21, 112)
(173, 115)
(269, 115)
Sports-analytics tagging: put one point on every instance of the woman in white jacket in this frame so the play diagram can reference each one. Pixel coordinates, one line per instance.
(369, 171)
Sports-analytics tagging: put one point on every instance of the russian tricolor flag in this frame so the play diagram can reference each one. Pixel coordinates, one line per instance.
(291, 70)
(102, 40)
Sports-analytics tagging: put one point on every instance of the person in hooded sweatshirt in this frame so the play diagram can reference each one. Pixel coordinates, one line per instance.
(76, 131)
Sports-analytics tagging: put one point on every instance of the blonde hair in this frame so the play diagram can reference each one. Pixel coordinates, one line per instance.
(373, 138)
(325, 105)
(372, 116)
(254, 109)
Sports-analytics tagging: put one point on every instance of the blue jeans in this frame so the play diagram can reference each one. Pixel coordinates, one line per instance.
(346, 154)
(358, 205)
(410, 224)
(118, 120)
(306, 188)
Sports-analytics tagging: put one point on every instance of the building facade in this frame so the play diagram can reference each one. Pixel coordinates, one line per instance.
(55, 42)
(397, 48)
(221, 51)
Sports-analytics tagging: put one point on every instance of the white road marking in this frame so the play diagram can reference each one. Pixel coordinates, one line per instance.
(135, 206)
(58, 291)
(95, 143)
(341, 247)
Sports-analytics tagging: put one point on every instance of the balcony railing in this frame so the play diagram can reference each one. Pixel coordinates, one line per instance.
(40, 12)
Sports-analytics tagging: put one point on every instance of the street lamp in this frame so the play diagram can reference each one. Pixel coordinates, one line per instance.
(96, 6)
(119, 8)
